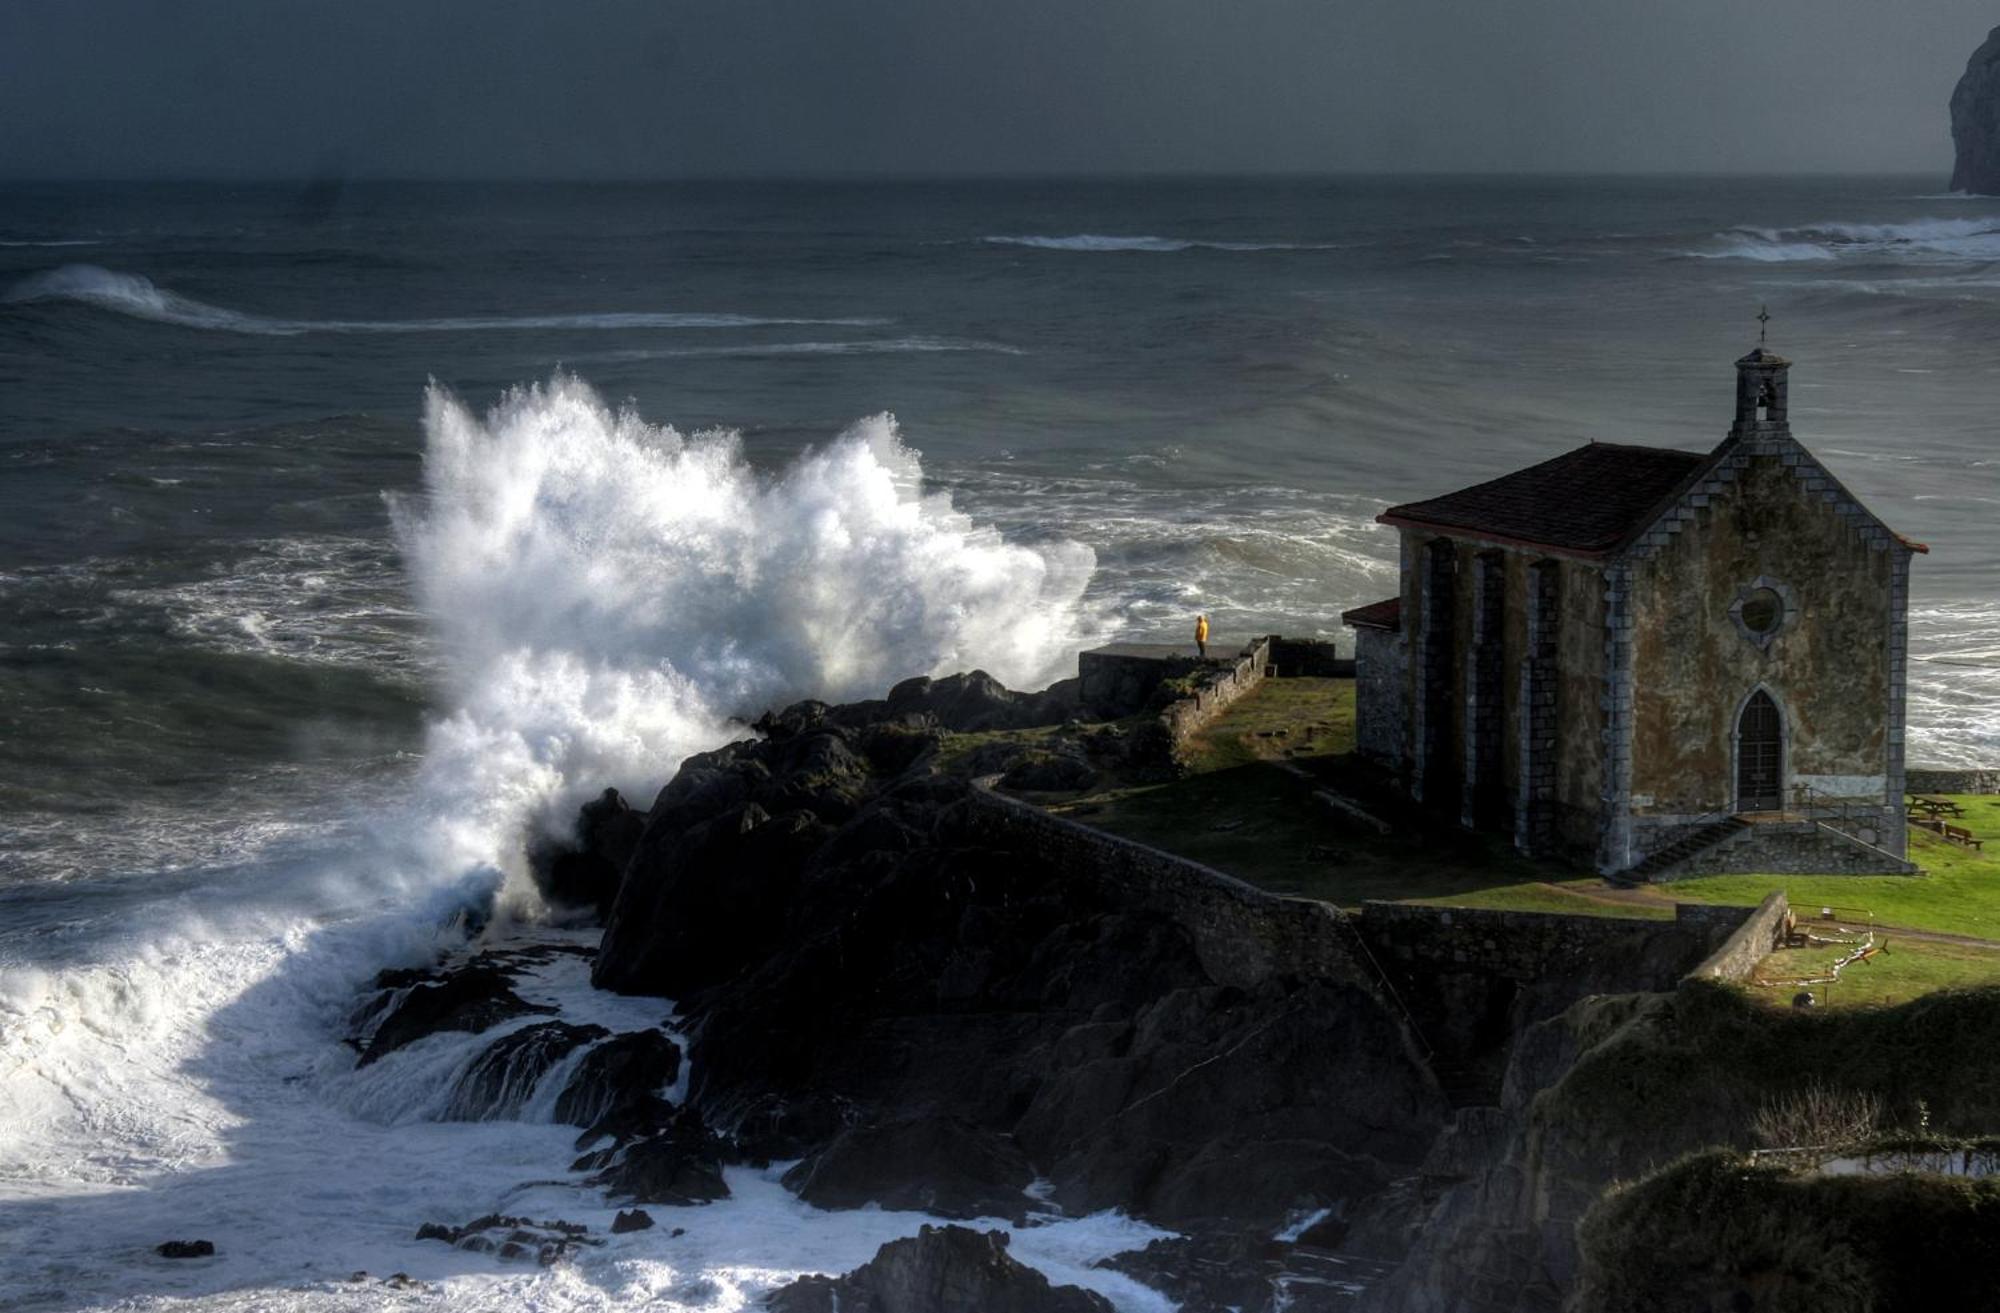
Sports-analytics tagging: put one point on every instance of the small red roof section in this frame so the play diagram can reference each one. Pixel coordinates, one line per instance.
(1587, 502)
(1385, 614)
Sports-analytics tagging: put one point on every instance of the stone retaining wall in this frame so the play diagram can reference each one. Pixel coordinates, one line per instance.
(1752, 939)
(1588, 954)
(1242, 934)
(1927, 780)
(1218, 687)
(1309, 658)
(1788, 848)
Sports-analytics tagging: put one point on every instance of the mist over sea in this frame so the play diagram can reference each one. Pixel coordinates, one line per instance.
(348, 534)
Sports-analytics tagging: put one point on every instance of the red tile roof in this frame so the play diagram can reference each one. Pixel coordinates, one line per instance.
(1385, 614)
(1588, 502)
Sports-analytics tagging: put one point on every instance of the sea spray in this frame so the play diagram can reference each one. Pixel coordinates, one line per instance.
(612, 596)
(609, 596)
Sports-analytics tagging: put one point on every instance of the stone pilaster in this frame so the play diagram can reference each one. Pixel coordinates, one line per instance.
(1534, 809)
(1614, 822)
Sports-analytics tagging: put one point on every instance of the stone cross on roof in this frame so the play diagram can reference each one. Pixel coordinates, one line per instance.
(1763, 321)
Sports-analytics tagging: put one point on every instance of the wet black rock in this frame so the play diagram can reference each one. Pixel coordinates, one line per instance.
(638, 1219)
(583, 874)
(948, 1269)
(409, 1005)
(185, 1249)
(934, 1164)
(501, 1079)
(512, 1238)
(679, 1164)
(615, 1088)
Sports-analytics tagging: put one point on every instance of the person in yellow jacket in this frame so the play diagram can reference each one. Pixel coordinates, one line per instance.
(1201, 635)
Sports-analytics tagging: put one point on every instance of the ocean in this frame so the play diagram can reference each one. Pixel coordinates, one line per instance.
(348, 534)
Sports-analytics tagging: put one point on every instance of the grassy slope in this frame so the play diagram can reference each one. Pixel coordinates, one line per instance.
(1718, 1231)
(1247, 807)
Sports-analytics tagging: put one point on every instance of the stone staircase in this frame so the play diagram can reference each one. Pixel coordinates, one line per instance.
(1699, 838)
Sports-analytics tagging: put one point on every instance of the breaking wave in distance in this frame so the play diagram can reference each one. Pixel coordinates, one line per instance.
(1927, 239)
(141, 298)
(1100, 242)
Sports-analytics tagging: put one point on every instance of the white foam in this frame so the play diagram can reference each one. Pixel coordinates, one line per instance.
(608, 596)
(1102, 242)
(139, 297)
(1975, 239)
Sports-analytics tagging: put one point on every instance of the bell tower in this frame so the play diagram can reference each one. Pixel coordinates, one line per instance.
(1760, 388)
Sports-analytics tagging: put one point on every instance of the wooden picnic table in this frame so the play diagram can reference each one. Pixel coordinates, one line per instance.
(1935, 807)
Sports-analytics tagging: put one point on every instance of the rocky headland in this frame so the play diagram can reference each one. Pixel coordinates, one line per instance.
(1975, 121)
(929, 996)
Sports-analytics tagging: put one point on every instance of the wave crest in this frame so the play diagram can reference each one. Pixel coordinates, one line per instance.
(141, 298)
(1100, 242)
(1924, 239)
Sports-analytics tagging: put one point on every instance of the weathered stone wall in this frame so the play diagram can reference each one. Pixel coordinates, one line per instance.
(1748, 942)
(1474, 979)
(1114, 684)
(1802, 847)
(1587, 954)
(1242, 934)
(1311, 658)
(1442, 725)
(1934, 780)
(1380, 674)
(1771, 519)
(1216, 689)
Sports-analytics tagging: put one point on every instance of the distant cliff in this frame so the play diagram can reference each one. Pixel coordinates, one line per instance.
(1975, 121)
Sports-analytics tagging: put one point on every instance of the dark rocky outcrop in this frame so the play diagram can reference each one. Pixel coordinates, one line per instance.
(502, 1078)
(638, 1219)
(410, 1004)
(1237, 1273)
(185, 1249)
(1619, 1087)
(1975, 121)
(583, 875)
(615, 1089)
(947, 1269)
(860, 942)
(935, 1164)
(678, 1164)
(1720, 1231)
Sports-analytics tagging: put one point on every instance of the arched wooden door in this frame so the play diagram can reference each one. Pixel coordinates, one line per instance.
(1760, 755)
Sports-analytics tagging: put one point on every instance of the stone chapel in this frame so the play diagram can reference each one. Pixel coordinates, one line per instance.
(1664, 662)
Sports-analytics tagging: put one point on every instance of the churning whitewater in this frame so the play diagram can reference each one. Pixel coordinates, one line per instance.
(609, 596)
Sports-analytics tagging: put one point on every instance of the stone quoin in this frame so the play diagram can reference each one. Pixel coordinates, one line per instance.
(1655, 659)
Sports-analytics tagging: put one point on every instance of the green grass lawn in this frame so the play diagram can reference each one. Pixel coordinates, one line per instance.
(1958, 894)
(1905, 969)
(1248, 807)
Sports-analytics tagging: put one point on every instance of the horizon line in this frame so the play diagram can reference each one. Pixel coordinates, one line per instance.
(323, 179)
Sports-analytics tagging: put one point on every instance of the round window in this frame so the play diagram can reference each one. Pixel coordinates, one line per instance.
(1762, 611)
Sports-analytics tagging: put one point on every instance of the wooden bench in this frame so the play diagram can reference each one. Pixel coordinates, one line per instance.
(1959, 834)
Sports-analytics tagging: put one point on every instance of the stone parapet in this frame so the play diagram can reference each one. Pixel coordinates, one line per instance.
(1927, 779)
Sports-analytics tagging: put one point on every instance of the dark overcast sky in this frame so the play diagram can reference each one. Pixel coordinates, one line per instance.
(624, 88)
